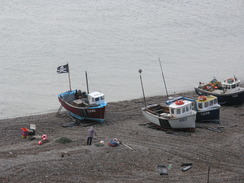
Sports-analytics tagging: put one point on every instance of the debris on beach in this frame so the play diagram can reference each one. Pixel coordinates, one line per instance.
(114, 142)
(162, 170)
(169, 166)
(100, 143)
(44, 139)
(127, 146)
(28, 133)
(186, 167)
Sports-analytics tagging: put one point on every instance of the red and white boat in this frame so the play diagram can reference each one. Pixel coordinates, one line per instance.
(84, 106)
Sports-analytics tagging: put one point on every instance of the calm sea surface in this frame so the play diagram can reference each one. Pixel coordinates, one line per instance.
(111, 40)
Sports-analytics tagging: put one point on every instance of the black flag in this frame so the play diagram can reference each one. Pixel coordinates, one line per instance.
(63, 69)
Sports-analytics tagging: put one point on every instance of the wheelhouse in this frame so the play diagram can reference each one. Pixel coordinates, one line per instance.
(204, 102)
(231, 85)
(180, 108)
(96, 98)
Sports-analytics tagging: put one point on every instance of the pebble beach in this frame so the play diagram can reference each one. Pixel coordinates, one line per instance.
(215, 150)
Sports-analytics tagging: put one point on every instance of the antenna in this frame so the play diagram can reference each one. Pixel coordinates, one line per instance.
(163, 76)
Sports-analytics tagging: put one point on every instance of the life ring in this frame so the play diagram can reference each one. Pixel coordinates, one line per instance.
(179, 102)
(44, 137)
(230, 80)
(202, 98)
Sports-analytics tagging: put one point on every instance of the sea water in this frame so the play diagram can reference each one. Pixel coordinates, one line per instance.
(195, 40)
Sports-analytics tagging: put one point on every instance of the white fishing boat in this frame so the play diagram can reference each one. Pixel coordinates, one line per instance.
(177, 115)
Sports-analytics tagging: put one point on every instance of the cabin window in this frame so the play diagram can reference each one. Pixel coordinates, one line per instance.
(215, 101)
(102, 97)
(172, 111)
(210, 102)
(97, 99)
(228, 87)
(93, 100)
(200, 105)
(178, 111)
(206, 104)
(183, 110)
(187, 108)
(237, 84)
(233, 86)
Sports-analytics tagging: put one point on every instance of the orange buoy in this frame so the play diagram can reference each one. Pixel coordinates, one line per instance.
(202, 98)
(179, 102)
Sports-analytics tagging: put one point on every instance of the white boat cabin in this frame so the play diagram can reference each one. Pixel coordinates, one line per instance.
(180, 108)
(231, 85)
(96, 98)
(206, 102)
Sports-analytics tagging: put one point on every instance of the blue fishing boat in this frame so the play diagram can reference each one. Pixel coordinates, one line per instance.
(207, 107)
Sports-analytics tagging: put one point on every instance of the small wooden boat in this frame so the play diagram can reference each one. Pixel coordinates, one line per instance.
(177, 115)
(207, 107)
(228, 92)
(81, 105)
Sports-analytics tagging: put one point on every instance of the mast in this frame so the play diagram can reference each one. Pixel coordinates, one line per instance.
(69, 77)
(163, 77)
(140, 71)
(87, 84)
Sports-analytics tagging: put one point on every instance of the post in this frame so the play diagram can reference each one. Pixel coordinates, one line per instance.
(69, 76)
(87, 84)
(163, 77)
(140, 71)
(208, 173)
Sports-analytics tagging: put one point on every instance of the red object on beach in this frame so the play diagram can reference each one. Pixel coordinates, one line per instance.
(24, 132)
(44, 137)
(40, 142)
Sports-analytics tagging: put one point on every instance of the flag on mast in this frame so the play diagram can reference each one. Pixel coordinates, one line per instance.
(63, 69)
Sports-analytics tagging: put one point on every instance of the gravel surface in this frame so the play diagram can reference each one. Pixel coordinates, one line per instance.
(218, 146)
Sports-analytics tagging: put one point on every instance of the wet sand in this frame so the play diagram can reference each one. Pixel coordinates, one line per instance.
(218, 146)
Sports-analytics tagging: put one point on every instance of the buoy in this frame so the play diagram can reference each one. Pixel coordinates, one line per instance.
(202, 98)
(44, 137)
(179, 102)
(40, 142)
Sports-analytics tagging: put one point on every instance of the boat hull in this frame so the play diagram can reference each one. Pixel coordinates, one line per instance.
(236, 98)
(186, 122)
(85, 113)
(210, 115)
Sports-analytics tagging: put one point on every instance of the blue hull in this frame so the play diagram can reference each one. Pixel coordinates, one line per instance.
(208, 116)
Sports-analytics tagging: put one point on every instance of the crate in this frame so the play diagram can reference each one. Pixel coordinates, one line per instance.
(24, 132)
